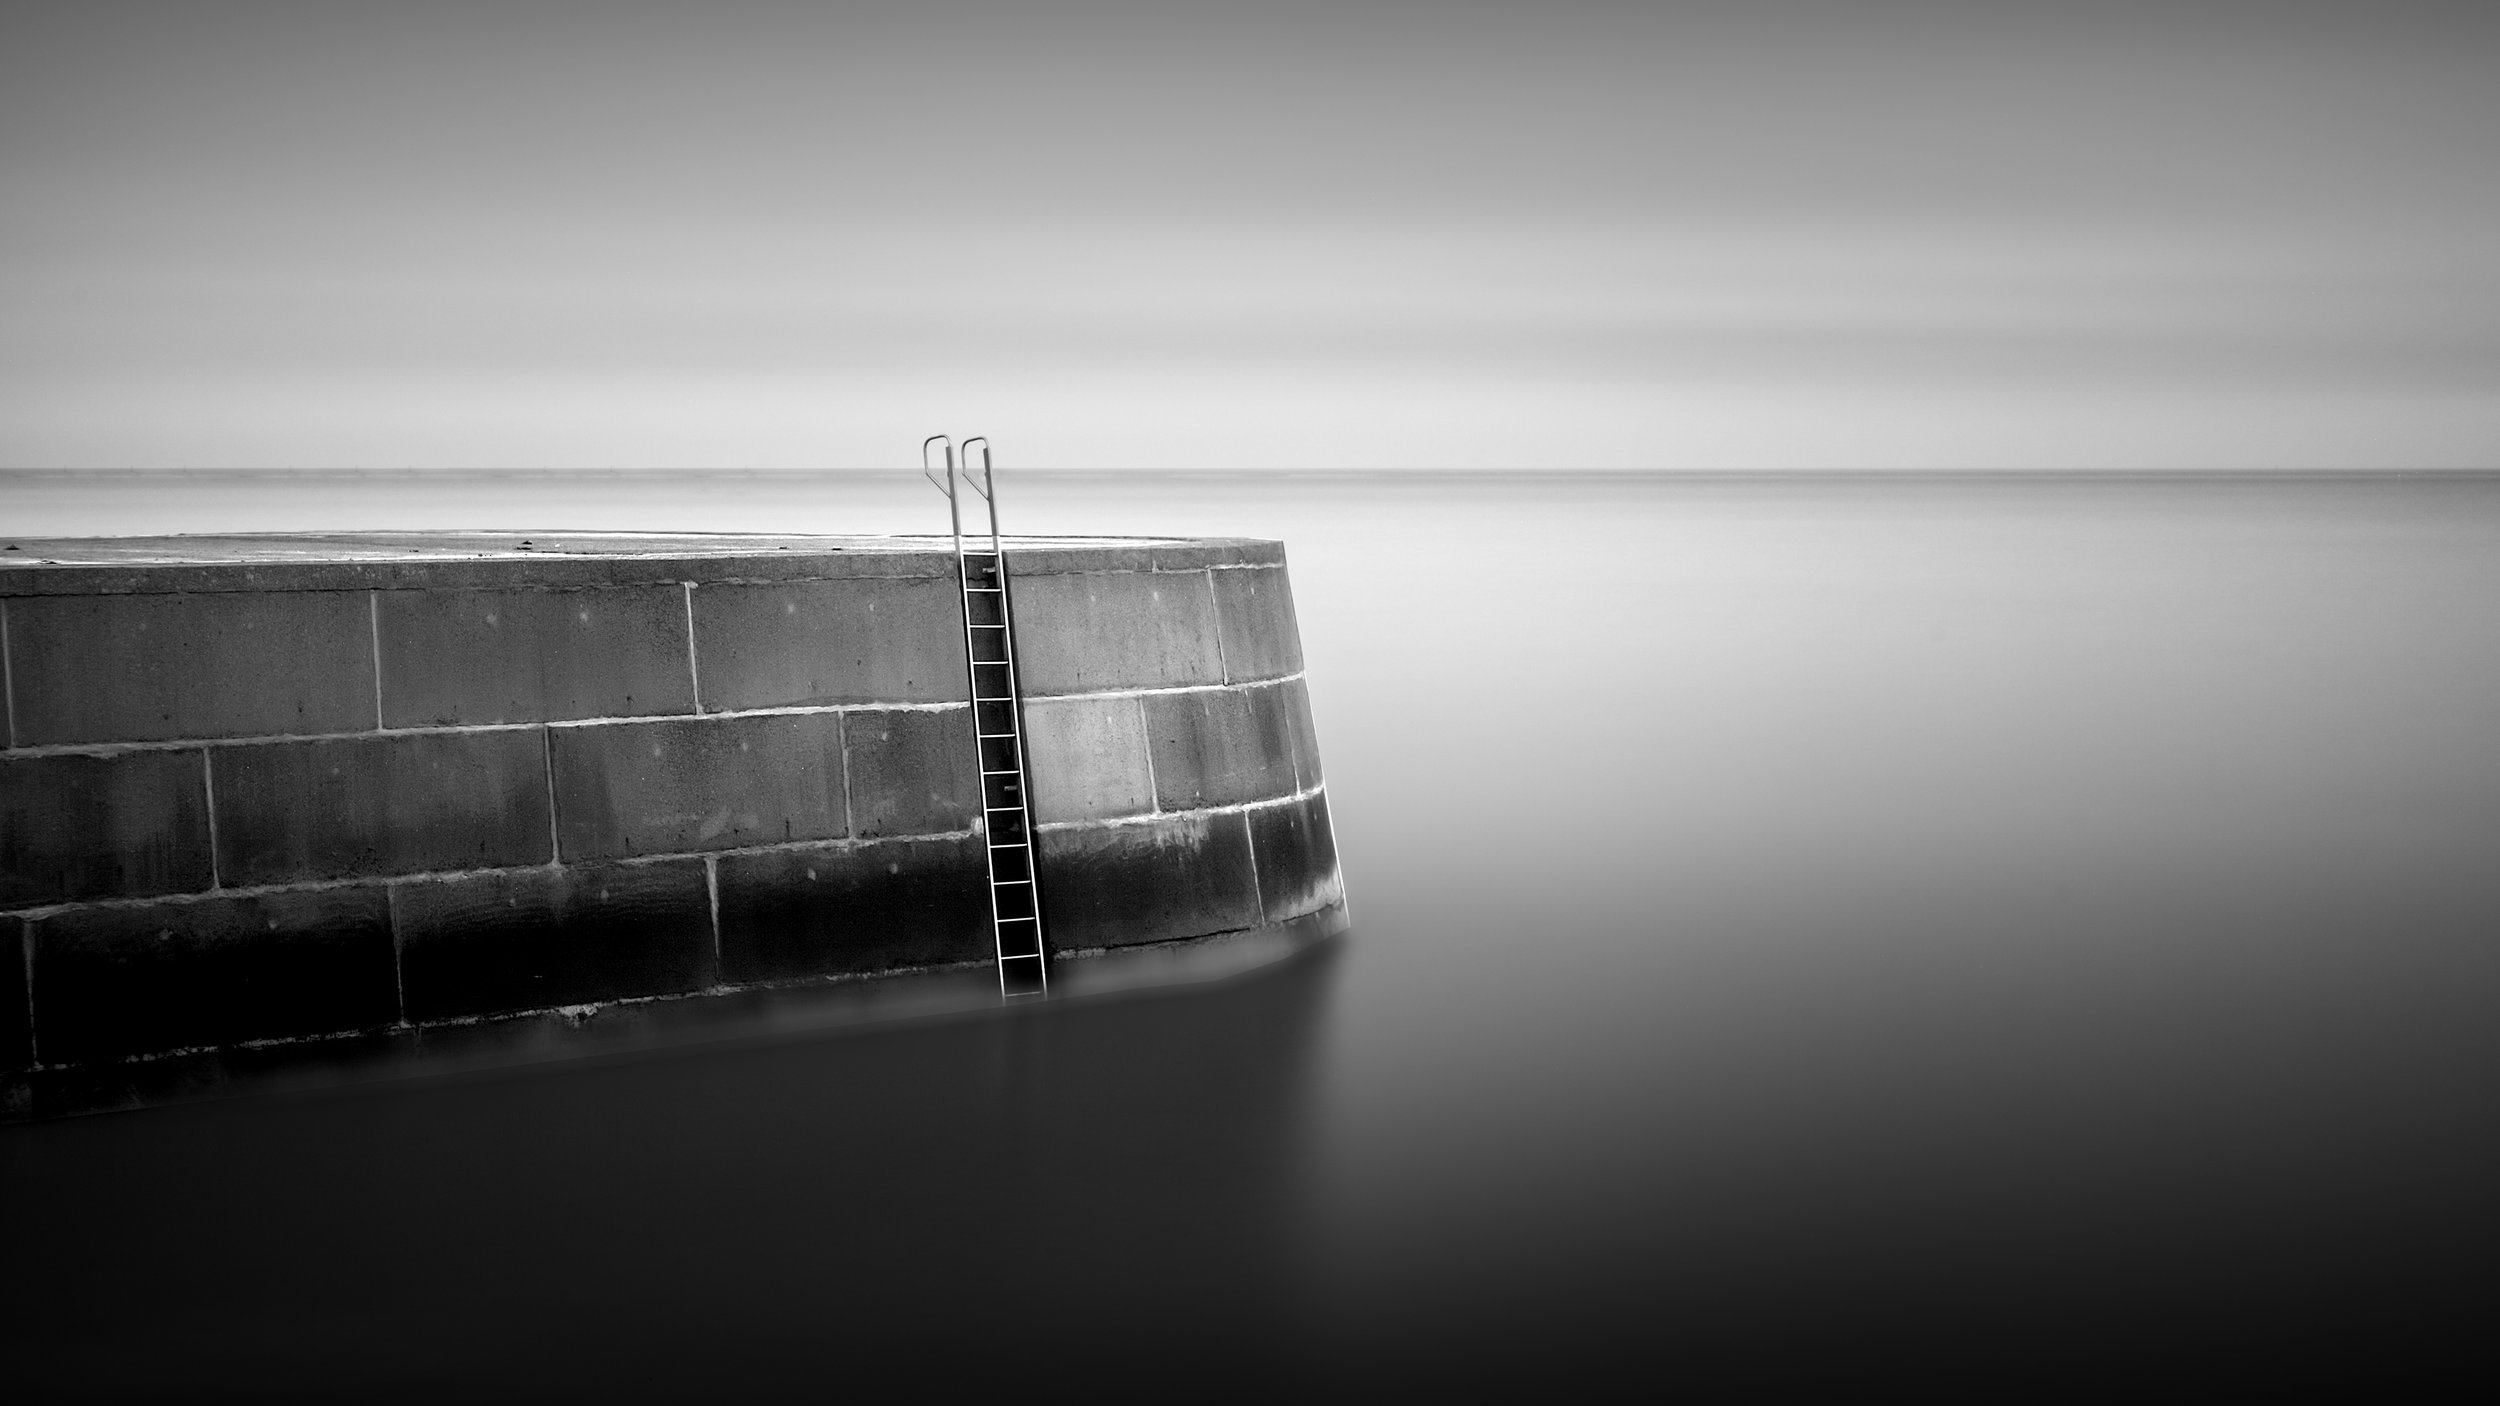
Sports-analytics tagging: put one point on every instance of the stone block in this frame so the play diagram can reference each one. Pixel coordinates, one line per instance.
(1143, 554)
(127, 826)
(1219, 747)
(1087, 757)
(792, 913)
(1303, 734)
(17, 1031)
(802, 643)
(912, 773)
(1101, 555)
(146, 668)
(1092, 634)
(179, 973)
(434, 560)
(525, 656)
(682, 785)
(533, 938)
(1149, 881)
(1187, 553)
(1296, 856)
(401, 803)
(1254, 609)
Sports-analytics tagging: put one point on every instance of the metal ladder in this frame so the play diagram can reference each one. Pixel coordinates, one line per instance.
(997, 725)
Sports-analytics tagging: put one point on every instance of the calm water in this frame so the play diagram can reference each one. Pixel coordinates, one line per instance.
(1798, 923)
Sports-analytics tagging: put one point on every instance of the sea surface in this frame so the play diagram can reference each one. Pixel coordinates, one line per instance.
(1886, 924)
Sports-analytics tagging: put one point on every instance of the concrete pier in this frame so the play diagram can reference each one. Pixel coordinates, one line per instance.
(305, 788)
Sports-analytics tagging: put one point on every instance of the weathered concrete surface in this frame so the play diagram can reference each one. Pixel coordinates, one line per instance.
(143, 668)
(399, 803)
(124, 826)
(793, 913)
(526, 656)
(268, 789)
(1304, 732)
(1150, 881)
(17, 1027)
(1131, 630)
(912, 772)
(1255, 624)
(1296, 852)
(1219, 748)
(531, 938)
(170, 975)
(871, 640)
(682, 785)
(1088, 758)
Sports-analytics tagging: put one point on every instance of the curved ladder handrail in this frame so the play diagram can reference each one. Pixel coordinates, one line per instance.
(944, 481)
(986, 485)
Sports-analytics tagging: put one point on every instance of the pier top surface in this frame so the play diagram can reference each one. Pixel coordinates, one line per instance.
(380, 560)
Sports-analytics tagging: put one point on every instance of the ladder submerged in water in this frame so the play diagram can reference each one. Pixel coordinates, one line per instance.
(997, 724)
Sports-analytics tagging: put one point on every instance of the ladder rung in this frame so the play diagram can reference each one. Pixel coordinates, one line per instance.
(1002, 883)
(987, 735)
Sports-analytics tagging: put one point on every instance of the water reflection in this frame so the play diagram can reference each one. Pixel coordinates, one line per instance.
(1124, 1181)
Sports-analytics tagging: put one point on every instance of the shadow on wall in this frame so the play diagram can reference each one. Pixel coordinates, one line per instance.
(1122, 1181)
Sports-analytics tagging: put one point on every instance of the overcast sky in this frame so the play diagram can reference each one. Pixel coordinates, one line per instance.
(1208, 235)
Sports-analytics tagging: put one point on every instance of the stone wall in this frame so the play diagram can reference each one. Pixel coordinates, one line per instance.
(262, 790)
